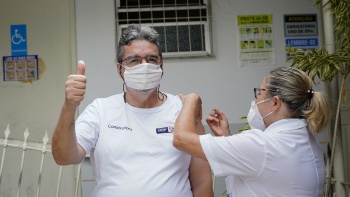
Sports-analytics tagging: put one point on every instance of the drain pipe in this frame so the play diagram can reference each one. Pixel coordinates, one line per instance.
(332, 89)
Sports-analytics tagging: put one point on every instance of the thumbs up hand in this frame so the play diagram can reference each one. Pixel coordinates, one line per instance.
(75, 87)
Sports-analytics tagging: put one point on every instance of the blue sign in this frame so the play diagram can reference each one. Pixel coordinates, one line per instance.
(18, 40)
(302, 42)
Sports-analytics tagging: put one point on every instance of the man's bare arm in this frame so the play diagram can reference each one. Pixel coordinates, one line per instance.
(65, 148)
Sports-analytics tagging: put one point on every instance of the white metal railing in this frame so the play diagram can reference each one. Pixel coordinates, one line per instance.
(21, 147)
(25, 145)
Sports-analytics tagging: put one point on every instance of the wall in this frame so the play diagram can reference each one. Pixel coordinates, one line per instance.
(36, 104)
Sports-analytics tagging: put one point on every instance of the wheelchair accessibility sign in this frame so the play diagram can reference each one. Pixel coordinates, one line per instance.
(18, 40)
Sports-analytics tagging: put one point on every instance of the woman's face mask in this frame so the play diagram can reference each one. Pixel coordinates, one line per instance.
(254, 118)
(144, 76)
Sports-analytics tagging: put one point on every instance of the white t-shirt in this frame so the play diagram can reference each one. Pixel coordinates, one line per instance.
(131, 149)
(284, 160)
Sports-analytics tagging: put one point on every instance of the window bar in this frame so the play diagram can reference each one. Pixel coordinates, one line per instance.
(45, 140)
(152, 20)
(26, 134)
(201, 23)
(139, 10)
(127, 13)
(189, 26)
(177, 29)
(7, 133)
(165, 41)
(59, 181)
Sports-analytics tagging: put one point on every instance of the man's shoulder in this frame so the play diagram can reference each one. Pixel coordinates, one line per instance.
(115, 99)
(173, 99)
(109, 98)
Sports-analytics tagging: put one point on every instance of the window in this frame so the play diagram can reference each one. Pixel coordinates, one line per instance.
(184, 25)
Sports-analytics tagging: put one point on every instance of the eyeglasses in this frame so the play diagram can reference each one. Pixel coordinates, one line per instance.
(257, 91)
(134, 60)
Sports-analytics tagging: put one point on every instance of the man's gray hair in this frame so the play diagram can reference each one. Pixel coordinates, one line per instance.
(137, 32)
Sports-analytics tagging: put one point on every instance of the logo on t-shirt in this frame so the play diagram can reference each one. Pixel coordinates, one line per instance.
(119, 127)
(168, 129)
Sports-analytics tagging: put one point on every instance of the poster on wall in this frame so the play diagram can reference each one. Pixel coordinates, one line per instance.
(301, 31)
(256, 40)
(17, 68)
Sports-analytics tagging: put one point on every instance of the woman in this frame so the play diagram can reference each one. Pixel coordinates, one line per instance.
(280, 155)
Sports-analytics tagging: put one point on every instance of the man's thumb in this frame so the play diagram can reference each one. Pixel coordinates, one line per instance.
(81, 67)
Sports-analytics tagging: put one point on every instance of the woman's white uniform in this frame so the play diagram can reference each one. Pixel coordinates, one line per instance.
(131, 149)
(284, 160)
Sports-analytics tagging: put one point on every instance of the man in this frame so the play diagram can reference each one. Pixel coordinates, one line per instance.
(130, 135)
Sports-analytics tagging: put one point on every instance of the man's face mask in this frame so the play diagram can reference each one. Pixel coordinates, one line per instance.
(143, 76)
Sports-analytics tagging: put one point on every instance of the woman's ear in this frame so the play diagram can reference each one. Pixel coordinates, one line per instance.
(277, 102)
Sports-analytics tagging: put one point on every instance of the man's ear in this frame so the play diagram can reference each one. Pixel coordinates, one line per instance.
(119, 68)
(161, 66)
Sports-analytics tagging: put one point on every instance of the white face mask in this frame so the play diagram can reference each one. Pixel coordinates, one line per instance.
(254, 118)
(143, 76)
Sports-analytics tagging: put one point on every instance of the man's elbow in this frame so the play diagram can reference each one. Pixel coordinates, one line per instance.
(59, 160)
(63, 160)
(177, 142)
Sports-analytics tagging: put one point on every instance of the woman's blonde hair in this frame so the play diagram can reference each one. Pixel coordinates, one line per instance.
(294, 87)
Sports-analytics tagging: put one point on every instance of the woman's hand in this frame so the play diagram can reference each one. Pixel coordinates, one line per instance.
(218, 123)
